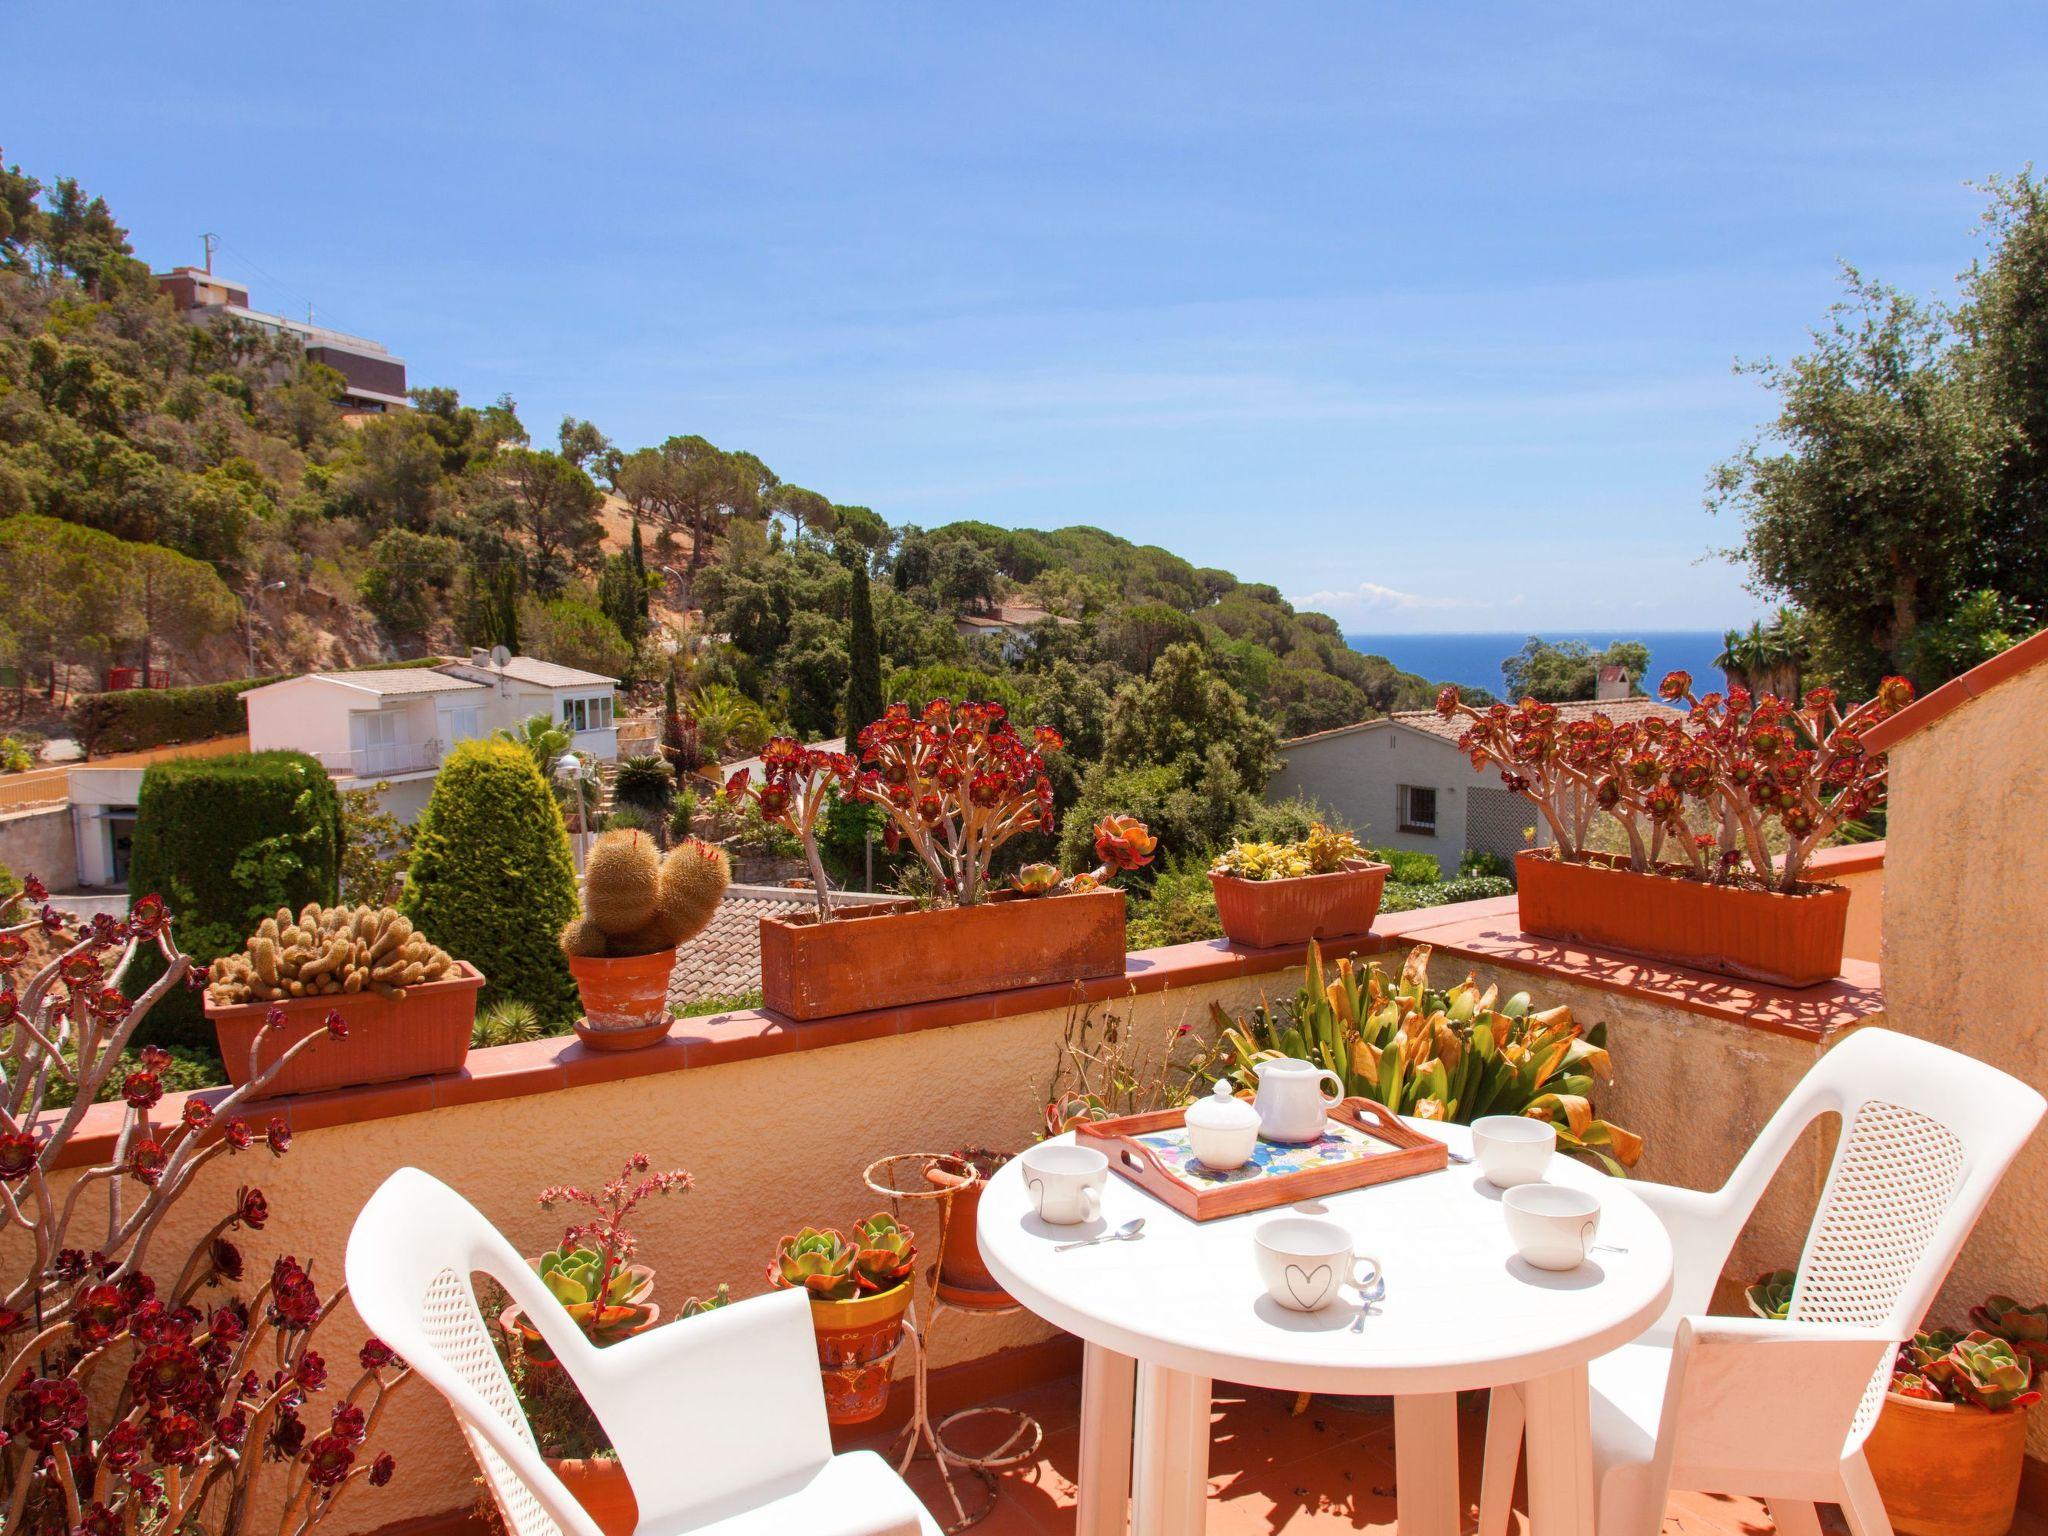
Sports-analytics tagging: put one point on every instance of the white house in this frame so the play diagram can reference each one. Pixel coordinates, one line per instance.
(397, 724)
(1403, 783)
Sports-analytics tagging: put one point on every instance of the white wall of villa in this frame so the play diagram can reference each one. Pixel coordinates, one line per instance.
(1366, 776)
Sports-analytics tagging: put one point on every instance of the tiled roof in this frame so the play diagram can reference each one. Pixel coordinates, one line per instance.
(1431, 723)
(725, 959)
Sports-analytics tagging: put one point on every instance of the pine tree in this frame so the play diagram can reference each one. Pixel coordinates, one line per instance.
(864, 656)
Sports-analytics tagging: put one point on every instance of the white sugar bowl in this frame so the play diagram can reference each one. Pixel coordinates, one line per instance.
(1222, 1129)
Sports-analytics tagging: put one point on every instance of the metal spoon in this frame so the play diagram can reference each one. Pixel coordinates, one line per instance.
(1368, 1298)
(1135, 1227)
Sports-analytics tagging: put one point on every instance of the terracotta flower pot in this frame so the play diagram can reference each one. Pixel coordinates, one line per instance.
(856, 1344)
(964, 1277)
(1792, 939)
(625, 1002)
(425, 1033)
(1947, 1469)
(600, 1486)
(890, 954)
(1264, 913)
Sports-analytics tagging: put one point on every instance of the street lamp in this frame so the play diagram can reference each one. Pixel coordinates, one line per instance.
(570, 767)
(249, 620)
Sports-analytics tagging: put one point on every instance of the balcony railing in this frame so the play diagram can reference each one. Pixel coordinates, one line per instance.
(383, 759)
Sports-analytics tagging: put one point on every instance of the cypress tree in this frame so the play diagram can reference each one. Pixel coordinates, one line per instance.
(640, 569)
(863, 654)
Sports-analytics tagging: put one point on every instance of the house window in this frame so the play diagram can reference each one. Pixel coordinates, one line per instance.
(574, 713)
(1417, 807)
(465, 724)
(587, 714)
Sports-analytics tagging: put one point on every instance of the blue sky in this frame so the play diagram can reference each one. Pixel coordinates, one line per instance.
(1425, 314)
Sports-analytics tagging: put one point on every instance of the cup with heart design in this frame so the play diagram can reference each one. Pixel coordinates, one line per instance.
(1305, 1262)
(1065, 1182)
(1552, 1225)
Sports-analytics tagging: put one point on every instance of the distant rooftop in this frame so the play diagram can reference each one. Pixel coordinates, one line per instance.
(529, 669)
(386, 683)
(1430, 722)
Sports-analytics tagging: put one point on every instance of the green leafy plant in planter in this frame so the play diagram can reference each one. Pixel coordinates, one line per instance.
(1451, 1056)
(859, 1288)
(1322, 852)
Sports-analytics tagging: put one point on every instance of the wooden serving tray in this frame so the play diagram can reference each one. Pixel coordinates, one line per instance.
(1369, 1146)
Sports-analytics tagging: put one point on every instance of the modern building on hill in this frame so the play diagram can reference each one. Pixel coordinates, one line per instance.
(1008, 624)
(1402, 783)
(375, 380)
(396, 725)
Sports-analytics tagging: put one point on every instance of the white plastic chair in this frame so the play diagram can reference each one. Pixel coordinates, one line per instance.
(1780, 1410)
(719, 1419)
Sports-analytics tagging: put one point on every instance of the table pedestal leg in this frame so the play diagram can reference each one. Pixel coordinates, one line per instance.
(1170, 1484)
(1426, 1463)
(1102, 1501)
(1560, 1454)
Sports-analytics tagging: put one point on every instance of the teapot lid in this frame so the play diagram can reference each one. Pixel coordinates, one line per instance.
(1222, 1110)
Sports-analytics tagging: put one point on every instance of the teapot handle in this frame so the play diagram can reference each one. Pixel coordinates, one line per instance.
(1336, 1098)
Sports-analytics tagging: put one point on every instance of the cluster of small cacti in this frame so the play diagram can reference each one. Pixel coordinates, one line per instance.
(636, 902)
(1322, 852)
(877, 1258)
(326, 952)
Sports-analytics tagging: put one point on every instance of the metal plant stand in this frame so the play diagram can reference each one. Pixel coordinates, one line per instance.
(921, 1437)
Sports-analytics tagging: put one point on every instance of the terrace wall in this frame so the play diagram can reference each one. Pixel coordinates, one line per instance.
(776, 1121)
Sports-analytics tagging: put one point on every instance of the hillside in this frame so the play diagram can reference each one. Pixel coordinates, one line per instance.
(191, 501)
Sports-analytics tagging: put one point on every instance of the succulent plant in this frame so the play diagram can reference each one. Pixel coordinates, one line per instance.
(831, 1268)
(693, 1306)
(573, 1274)
(328, 952)
(2025, 1328)
(636, 902)
(1991, 1373)
(1036, 879)
(1123, 842)
(1322, 852)
(1771, 1295)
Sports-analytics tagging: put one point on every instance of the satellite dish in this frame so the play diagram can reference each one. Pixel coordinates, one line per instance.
(499, 656)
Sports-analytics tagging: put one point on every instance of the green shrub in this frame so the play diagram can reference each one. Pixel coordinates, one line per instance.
(1285, 821)
(9, 882)
(226, 840)
(1478, 861)
(492, 881)
(1180, 908)
(1410, 868)
(1410, 898)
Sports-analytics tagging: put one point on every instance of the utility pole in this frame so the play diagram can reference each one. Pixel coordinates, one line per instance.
(211, 242)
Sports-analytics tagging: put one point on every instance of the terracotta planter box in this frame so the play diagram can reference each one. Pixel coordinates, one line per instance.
(1263, 913)
(1947, 1469)
(1790, 939)
(423, 1034)
(599, 1485)
(856, 1352)
(887, 955)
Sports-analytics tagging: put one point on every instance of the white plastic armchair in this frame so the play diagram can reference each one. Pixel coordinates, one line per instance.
(1780, 1410)
(719, 1419)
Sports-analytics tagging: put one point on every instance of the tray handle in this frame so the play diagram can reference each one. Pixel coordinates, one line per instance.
(1378, 1113)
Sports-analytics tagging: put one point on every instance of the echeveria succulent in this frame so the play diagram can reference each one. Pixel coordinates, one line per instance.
(1991, 1373)
(1771, 1295)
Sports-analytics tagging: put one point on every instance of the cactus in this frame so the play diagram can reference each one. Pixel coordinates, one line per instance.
(1991, 1374)
(327, 952)
(621, 882)
(693, 879)
(638, 903)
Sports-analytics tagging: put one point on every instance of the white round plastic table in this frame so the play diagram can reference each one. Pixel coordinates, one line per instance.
(1184, 1305)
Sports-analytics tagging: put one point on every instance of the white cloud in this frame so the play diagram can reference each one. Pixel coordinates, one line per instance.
(1371, 597)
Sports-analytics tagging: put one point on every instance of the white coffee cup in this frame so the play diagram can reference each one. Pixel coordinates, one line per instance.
(1305, 1262)
(1065, 1182)
(1513, 1149)
(1552, 1225)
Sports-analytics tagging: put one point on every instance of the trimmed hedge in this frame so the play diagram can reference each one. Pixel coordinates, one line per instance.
(224, 841)
(492, 881)
(138, 718)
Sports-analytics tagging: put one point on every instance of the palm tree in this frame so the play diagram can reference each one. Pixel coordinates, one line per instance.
(729, 724)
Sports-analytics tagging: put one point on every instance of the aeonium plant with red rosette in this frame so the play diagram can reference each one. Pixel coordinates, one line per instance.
(957, 783)
(1733, 788)
(133, 1398)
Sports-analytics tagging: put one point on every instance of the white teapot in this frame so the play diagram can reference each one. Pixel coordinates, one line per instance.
(1290, 1101)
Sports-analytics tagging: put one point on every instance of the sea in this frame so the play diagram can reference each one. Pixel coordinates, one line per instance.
(1474, 660)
